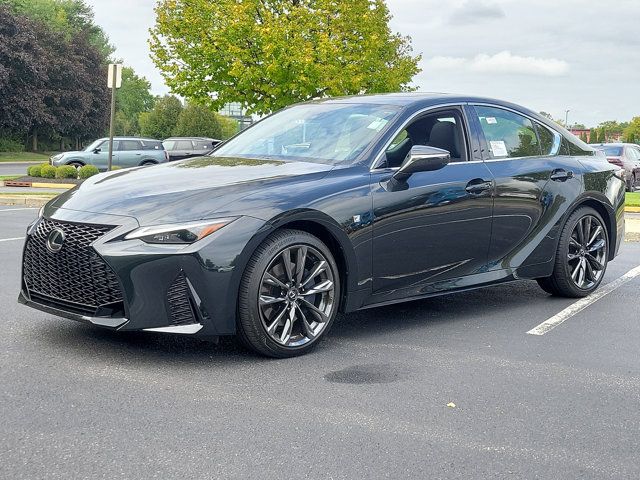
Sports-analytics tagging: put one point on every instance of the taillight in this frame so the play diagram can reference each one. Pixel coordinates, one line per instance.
(166, 156)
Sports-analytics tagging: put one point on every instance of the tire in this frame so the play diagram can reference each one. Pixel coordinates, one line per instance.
(581, 259)
(76, 164)
(148, 163)
(268, 296)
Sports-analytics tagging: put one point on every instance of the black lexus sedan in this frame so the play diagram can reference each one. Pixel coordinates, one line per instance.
(333, 205)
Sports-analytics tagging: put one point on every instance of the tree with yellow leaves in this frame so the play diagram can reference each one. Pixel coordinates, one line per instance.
(267, 54)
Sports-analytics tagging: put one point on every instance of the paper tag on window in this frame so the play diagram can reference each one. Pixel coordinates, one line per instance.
(491, 120)
(498, 148)
(377, 124)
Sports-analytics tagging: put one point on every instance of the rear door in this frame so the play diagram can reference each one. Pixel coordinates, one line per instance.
(130, 153)
(532, 180)
(437, 227)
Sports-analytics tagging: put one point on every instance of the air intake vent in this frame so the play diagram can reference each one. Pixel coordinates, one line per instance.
(180, 308)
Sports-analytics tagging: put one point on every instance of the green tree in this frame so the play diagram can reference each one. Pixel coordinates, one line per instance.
(67, 17)
(270, 54)
(162, 119)
(632, 131)
(593, 135)
(200, 121)
(132, 99)
(602, 135)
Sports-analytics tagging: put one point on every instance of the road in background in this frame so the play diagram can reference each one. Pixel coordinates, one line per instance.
(15, 168)
(371, 402)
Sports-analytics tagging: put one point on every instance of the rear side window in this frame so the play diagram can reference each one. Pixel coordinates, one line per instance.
(151, 145)
(130, 145)
(183, 145)
(549, 141)
(507, 133)
(203, 145)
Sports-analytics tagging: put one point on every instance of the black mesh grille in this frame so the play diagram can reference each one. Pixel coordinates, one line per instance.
(76, 274)
(179, 302)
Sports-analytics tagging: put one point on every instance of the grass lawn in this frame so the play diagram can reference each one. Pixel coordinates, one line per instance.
(632, 199)
(9, 177)
(25, 157)
(22, 194)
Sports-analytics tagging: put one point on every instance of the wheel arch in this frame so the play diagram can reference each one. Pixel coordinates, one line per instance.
(605, 211)
(331, 234)
(75, 160)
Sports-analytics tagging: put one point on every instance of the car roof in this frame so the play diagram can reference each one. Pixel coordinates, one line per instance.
(189, 138)
(132, 138)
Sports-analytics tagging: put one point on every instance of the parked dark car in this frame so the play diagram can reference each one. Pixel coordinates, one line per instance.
(180, 148)
(333, 205)
(625, 155)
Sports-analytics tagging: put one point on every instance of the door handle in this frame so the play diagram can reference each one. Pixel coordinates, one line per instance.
(561, 175)
(478, 185)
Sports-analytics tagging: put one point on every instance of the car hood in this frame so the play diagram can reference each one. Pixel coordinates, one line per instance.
(185, 190)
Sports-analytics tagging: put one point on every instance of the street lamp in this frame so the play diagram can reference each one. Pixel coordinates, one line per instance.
(566, 118)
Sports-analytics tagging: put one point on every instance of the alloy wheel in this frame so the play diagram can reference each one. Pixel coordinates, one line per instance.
(296, 296)
(587, 255)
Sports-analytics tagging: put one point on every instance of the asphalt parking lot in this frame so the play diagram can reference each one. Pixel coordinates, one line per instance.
(371, 402)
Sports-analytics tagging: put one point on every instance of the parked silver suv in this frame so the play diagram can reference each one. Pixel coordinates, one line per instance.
(127, 152)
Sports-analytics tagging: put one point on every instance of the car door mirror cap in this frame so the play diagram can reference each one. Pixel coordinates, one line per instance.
(96, 150)
(423, 158)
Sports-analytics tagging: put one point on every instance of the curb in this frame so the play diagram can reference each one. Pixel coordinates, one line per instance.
(14, 183)
(27, 200)
(632, 209)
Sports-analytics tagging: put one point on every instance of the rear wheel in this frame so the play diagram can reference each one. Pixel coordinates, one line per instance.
(581, 258)
(148, 163)
(288, 295)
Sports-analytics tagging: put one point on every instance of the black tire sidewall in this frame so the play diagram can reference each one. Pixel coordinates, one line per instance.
(252, 330)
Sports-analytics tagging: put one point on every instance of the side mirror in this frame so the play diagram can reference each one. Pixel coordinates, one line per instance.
(96, 150)
(422, 158)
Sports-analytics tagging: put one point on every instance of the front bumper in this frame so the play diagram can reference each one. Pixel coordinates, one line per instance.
(189, 289)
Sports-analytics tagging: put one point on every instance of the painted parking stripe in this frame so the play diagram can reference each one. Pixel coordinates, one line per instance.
(17, 209)
(11, 239)
(583, 303)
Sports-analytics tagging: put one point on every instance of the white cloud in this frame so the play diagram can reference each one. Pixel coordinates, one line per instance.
(472, 12)
(502, 62)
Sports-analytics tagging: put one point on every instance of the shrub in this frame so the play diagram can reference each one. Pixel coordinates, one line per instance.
(87, 171)
(34, 170)
(10, 145)
(66, 171)
(48, 171)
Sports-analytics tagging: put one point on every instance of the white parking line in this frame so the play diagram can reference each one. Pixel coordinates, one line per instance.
(583, 303)
(16, 209)
(11, 239)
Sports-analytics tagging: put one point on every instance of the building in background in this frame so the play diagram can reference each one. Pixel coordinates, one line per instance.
(234, 110)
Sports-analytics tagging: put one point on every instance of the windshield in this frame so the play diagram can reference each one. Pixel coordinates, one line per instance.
(326, 133)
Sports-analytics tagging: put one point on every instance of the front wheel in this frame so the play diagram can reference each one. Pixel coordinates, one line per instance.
(289, 295)
(581, 258)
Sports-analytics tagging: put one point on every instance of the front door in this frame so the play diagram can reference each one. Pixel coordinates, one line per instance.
(99, 156)
(436, 227)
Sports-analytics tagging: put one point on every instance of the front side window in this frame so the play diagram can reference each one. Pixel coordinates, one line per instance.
(440, 129)
(507, 134)
(104, 146)
(332, 133)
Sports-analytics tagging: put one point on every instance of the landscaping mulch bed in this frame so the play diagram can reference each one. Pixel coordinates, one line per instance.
(29, 179)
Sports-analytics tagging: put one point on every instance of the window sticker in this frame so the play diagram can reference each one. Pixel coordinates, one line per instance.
(491, 120)
(498, 148)
(377, 124)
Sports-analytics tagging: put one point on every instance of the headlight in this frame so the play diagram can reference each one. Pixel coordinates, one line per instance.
(41, 212)
(184, 233)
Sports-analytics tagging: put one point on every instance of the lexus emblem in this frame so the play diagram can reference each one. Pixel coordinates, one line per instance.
(55, 240)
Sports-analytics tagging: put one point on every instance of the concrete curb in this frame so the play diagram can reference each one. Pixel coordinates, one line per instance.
(26, 200)
(632, 209)
(17, 184)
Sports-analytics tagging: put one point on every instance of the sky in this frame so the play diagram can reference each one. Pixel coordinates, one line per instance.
(548, 55)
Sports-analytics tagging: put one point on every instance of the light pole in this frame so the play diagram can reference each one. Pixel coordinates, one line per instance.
(566, 119)
(114, 80)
